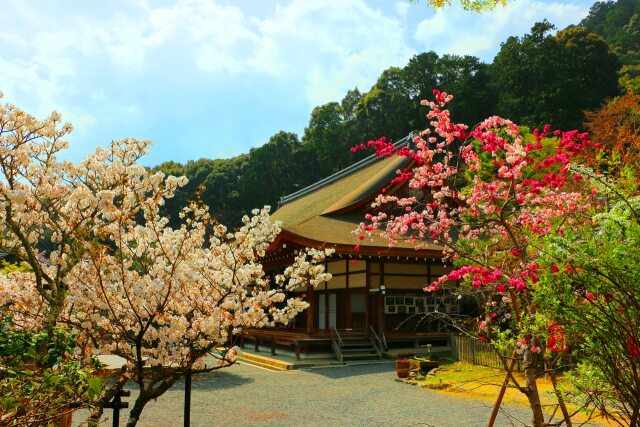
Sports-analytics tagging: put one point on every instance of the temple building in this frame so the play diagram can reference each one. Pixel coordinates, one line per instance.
(375, 297)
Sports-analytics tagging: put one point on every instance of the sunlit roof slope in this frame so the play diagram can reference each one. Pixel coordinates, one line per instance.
(341, 193)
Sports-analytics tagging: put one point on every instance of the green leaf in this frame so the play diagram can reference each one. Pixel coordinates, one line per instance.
(95, 385)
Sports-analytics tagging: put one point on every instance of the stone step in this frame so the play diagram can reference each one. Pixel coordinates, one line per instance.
(363, 355)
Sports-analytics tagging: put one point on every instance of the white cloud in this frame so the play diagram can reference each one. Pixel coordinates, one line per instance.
(334, 46)
(402, 8)
(329, 46)
(454, 30)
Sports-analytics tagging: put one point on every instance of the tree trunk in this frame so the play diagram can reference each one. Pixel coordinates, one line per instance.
(49, 325)
(147, 394)
(530, 376)
(136, 411)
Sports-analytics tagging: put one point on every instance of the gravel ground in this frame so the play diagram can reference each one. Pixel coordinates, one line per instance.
(365, 395)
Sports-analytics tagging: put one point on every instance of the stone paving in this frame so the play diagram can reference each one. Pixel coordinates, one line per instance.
(365, 395)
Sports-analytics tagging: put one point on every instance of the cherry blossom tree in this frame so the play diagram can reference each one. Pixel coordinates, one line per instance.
(116, 274)
(170, 302)
(487, 195)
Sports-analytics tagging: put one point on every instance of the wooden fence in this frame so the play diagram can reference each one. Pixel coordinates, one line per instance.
(474, 351)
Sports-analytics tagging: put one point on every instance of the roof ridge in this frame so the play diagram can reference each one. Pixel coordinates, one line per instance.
(341, 174)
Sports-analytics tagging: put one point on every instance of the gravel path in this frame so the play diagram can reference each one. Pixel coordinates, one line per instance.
(364, 395)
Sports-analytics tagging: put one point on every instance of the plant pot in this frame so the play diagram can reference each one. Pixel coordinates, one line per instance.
(403, 364)
(65, 419)
(402, 373)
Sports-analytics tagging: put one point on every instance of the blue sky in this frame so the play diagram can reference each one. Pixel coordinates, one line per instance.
(213, 78)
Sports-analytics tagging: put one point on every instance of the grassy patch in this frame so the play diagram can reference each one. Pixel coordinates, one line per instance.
(481, 382)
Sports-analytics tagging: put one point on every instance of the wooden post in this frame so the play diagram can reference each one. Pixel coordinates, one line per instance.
(381, 315)
(311, 299)
(453, 345)
(503, 389)
(297, 347)
(367, 297)
(563, 407)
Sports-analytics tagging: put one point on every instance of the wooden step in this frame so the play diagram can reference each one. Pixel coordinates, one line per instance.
(263, 361)
(356, 344)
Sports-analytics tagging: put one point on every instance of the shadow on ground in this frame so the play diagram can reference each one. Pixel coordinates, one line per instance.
(352, 370)
(215, 380)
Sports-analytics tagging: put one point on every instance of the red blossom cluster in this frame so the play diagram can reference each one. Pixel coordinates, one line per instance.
(516, 189)
(509, 199)
(382, 147)
(556, 339)
(633, 347)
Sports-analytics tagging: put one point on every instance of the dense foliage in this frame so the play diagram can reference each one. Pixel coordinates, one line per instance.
(618, 22)
(616, 129)
(590, 287)
(37, 388)
(541, 78)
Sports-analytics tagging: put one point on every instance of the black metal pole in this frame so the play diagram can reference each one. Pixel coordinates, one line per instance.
(116, 404)
(116, 412)
(187, 399)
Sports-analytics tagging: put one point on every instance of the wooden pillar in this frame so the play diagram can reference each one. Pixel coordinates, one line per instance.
(347, 308)
(367, 301)
(296, 346)
(325, 296)
(381, 323)
(311, 299)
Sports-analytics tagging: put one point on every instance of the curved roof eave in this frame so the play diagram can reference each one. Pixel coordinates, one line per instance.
(434, 251)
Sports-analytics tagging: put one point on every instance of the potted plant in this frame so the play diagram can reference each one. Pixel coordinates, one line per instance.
(422, 364)
(403, 365)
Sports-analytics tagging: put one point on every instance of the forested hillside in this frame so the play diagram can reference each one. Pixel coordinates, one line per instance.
(546, 76)
(619, 24)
